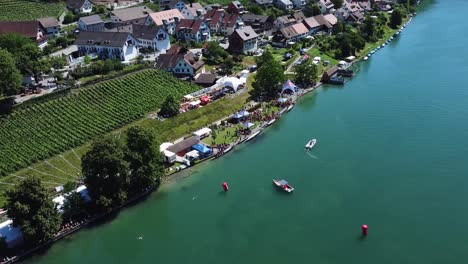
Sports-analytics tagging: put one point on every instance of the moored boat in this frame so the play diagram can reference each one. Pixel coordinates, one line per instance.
(366, 58)
(289, 108)
(284, 185)
(311, 144)
(253, 135)
(271, 122)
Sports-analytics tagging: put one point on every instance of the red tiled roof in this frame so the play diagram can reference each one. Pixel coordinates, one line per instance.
(25, 28)
(213, 16)
(192, 24)
(230, 20)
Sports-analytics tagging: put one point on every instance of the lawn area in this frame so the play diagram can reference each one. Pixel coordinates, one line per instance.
(29, 10)
(315, 52)
(67, 166)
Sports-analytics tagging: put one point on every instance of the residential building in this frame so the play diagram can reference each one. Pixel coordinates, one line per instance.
(107, 45)
(333, 20)
(193, 30)
(91, 23)
(289, 35)
(167, 18)
(235, 7)
(243, 40)
(152, 37)
(326, 6)
(284, 21)
(299, 16)
(213, 6)
(205, 79)
(264, 3)
(299, 3)
(193, 11)
(119, 4)
(230, 23)
(172, 4)
(132, 15)
(259, 23)
(319, 23)
(30, 29)
(284, 4)
(350, 12)
(181, 62)
(365, 5)
(80, 6)
(213, 19)
(50, 25)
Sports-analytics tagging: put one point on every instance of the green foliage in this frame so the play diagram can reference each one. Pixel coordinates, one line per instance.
(214, 53)
(75, 207)
(39, 130)
(275, 12)
(97, 68)
(10, 77)
(100, 9)
(371, 29)
(58, 62)
(15, 10)
(14, 42)
(106, 173)
(267, 56)
(170, 107)
(87, 59)
(337, 3)
(312, 9)
(306, 73)
(396, 18)
(270, 76)
(255, 9)
(69, 186)
(68, 18)
(31, 209)
(145, 160)
(227, 65)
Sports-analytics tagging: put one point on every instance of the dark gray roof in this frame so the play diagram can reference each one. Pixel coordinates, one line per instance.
(110, 39)
(48, 22)
(91, 20)
(145, 32)
(184, 144)
(264, 2)
(252, 18)
(206, 78)
(75, 4)
(132, 13)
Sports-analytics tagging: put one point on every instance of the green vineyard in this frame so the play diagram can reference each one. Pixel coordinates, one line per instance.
(28, 9)
(37, 131)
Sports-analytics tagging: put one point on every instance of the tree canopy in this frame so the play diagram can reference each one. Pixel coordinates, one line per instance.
(269, 77)
(170, 107)
(10, 77)
(214, 53)
(312, 9)
(74, 208)
(337, 3)
(14, 42)
(306, 73)
(145, 160)
(396, 18)
(31, 208)
(105, 173)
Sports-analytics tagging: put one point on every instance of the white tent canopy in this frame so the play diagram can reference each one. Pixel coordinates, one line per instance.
(233, 83)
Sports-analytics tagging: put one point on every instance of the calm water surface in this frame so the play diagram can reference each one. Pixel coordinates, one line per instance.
(391, 153)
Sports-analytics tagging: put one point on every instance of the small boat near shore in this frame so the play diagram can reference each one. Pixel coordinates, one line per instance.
(311, 144)
(289, 108)
(271, 122)
(252, 136)
(366, 58)
(283, 185)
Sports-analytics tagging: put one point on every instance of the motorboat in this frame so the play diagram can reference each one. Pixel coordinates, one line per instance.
(289, 108)
(284, 185)
(311, 144)
(271, 122)
(366, 58)
(252, 136)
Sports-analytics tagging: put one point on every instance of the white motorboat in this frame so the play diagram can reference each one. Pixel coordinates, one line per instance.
(311, 144)
(271, 122)
(366, 58)
(253, 135)
(289, 108)
(283, 185)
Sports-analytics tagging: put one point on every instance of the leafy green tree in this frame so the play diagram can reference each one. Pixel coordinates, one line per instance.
(31, 208)
(312, 9)
(255, 9)
(57, 62)
(227, 65)
(306, 73)
(396, 18)
(106, 173)
(337, 3)
(30, 62)
(370, 29)
(87, 59)
(274, 12)
(68, 18)
(10, 77)
(13, 42)
(74, 208)
(145, 160)
(170, 107)
(267, 56)
(215, 53)
(61, 41)
(267, 83)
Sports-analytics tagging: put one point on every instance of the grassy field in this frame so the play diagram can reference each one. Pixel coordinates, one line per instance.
(29, 9)
(66, 167)
(39, 130)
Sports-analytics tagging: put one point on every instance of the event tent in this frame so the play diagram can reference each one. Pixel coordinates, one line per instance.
(248, 125)
(288, 85)
(202, 149)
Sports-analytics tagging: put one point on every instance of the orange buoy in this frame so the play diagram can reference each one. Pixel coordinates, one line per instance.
(225, 186)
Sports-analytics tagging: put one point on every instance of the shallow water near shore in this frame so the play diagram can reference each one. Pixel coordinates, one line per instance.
(390, 153)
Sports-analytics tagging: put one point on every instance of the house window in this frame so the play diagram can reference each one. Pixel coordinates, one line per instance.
(177, 70)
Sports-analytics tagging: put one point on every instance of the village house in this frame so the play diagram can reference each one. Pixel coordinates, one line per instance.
(284, 21)
(299, 16)
(193, 11)
(172, 4)
(132, 15)
(168, 19)
(80, 6)
(299, 4)
(213, 19)
(259, 23)
(30, 29)
(235, 7)
(213, 6)
(149, 37)
(350, 12)
(107, 45)
(284, 4)
(264, 3)
(290, 35)
(180, 62)
(243, 40)
(230, 23)
(91, 23)
(50, 26)
(205, 79)
(320, 23)
(193, 30)
(117, 4)
(326, 6)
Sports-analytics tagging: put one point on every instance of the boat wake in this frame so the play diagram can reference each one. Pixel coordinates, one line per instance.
(312, 156)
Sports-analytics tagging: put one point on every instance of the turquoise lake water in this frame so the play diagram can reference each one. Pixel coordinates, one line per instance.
(390, 154)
